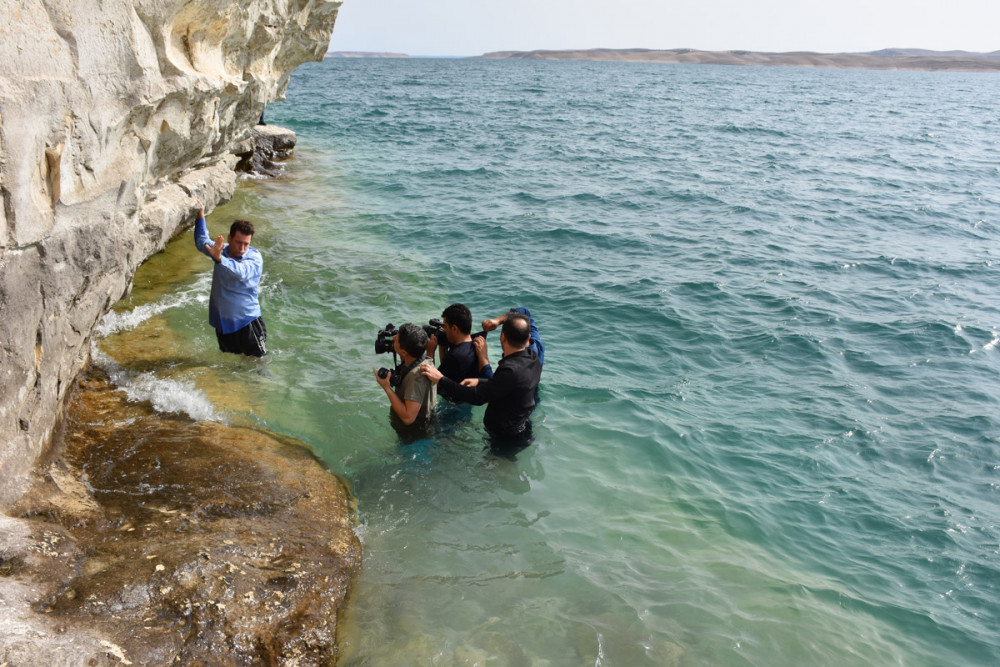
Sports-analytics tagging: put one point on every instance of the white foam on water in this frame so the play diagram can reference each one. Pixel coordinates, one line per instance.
(246, 176)
(114, 321)
(166, 395)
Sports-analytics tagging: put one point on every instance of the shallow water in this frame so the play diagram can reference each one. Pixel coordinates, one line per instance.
(768, 426)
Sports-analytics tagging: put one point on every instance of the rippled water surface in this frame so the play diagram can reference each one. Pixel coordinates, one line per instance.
(768, 428)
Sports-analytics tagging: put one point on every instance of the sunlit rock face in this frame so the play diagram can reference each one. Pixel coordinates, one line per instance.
(114, 115)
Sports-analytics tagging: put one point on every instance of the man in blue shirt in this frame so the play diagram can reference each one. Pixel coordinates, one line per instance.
(233, 308)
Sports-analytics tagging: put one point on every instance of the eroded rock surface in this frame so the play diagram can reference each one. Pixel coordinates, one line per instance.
(271, 146)
(155, 540)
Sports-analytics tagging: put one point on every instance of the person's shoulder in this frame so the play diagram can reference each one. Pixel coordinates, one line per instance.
(465, 347)
(253, 256)
(523, 357)
(419, 379)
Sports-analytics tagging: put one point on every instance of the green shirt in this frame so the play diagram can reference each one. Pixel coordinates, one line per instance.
(417, 387)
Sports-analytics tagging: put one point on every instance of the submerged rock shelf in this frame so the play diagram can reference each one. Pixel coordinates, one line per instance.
(155, 539)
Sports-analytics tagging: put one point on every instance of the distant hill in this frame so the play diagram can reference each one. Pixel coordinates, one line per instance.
(927, 53)
(903, 59)
(363, 54)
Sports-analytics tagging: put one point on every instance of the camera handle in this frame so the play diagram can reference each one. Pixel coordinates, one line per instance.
(383, 372)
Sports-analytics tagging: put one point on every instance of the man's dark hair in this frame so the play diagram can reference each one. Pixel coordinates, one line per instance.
(458, 315)
(517, 329)
(413, 339)
(244, 227)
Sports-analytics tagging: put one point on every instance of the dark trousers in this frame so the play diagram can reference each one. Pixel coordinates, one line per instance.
(250, 340)
(507, 445)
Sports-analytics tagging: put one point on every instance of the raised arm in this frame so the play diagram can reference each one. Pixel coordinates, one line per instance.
(482, 358)
(202, 241)
(491, 323)
(432, 346)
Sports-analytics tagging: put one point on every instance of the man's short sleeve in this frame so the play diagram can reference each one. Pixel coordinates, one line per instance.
(417, 388)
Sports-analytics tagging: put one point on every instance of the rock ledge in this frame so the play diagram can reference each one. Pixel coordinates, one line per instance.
(153, 540)
(271, 145)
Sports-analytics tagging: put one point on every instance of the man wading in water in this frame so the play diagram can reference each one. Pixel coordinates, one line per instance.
(509, 393)
(233, 308)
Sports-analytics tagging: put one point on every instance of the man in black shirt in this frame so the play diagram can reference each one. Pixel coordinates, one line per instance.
(458, 355)
(510, 393)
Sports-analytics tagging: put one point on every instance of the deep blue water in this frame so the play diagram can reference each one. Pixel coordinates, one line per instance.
(768, 428)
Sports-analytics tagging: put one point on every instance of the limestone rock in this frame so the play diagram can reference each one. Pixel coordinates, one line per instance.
(184, 543)
(114, 114)
(271, 144)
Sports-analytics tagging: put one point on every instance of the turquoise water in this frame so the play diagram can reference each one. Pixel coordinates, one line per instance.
(768, 427)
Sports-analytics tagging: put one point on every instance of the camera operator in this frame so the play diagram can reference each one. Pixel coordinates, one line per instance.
(458, 354)
(510, 393)
(414, 396)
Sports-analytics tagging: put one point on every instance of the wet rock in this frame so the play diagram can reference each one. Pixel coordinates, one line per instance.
(165, 541)
(270, 146)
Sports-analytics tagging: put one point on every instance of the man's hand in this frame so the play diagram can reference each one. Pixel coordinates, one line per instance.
(382, 382)
(432, 345)
(431, 373)
(470, 382)
(216, 250)
(491, 323)
(201, 208)
(479, 344)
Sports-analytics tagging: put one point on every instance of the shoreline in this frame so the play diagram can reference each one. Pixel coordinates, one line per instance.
(889, 59)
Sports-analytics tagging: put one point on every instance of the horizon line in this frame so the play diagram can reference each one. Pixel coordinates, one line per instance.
(943, 52)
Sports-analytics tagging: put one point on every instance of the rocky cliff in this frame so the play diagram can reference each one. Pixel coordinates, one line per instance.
(126, 537)
(113, 115)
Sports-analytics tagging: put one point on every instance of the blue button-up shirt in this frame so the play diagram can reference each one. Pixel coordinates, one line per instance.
(233, 303)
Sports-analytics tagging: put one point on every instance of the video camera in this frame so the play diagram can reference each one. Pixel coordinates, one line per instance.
(434, 329)
(384, 343)
(384, 338)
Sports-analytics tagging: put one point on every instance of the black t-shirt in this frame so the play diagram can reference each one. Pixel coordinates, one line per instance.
(460, 362)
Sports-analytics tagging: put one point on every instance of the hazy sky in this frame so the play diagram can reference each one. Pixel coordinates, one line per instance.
(472, 27)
